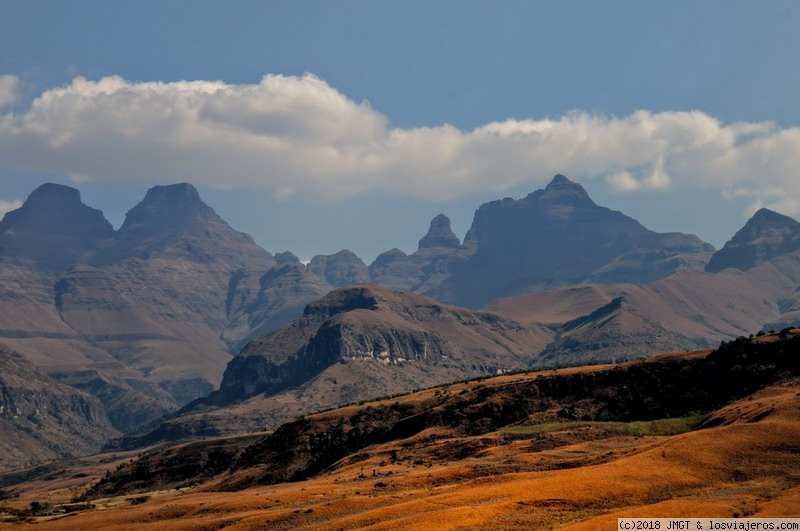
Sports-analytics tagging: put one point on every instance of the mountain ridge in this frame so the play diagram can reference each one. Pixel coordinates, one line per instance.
(148, 317)
(558, 236)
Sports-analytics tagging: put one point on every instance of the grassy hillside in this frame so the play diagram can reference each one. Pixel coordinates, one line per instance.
(689, 434)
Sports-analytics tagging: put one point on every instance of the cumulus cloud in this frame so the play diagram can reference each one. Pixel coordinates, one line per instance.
(8, 206)
(298, 136)
(10, 89)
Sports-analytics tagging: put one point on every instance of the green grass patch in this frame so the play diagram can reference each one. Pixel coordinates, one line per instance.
(659, 427)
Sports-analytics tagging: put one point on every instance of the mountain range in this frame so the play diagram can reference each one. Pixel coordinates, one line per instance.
(176, 313)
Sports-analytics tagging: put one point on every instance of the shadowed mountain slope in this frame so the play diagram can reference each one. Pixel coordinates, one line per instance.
(42, 419)
(423, 269)
(690, 309)
(765, 235)
(556, 237)
(614, 332)
(52, 230)
(143, 318)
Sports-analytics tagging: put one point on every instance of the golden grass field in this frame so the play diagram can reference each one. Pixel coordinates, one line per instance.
(567, 475)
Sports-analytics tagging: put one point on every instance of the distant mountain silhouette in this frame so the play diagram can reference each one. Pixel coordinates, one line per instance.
(340, 269)
(765, 235)
(556, 237)
(52, 230)
(440, 235)
(423, 269)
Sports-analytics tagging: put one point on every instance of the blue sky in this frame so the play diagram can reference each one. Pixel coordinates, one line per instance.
(317, 126)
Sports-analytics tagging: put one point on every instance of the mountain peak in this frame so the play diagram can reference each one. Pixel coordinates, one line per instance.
(766, 235)
(167, 205)
(767, 217)
(181, 198)
(286, 257)
(55, 193)
(562, 190)
(53, 228)
(559, 179)
(555, 237)
(173, 220)
(440, 235)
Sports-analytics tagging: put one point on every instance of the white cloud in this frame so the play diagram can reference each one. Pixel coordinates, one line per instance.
(8, 206)
(623, 182)
(10, 90)
(298, 136)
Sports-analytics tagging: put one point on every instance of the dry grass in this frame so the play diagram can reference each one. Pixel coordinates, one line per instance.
(747, 466)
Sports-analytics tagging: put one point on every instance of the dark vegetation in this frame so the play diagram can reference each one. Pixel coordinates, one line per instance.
(661, 388)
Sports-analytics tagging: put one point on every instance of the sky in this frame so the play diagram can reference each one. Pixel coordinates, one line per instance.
(319, 126)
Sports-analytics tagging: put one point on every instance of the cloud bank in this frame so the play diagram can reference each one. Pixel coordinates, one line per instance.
(299, 137)
(10, 90)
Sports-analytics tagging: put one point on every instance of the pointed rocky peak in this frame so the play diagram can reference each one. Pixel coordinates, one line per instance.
(287, 257)
(563, 191)
(440, 235)
(765, 235)
(766, 226)
(173, 221)
(556, 237)
(165, 205)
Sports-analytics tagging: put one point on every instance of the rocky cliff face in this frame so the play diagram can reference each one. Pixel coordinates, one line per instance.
(42, 419)
(262, 301)
(440, 235)
(766, 235)
(559, 236)
(393, 330)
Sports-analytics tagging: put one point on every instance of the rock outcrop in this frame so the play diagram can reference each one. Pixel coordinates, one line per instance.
(424, 269)
(765, 235)
(440, 235)
(340, 269)
(402, 334)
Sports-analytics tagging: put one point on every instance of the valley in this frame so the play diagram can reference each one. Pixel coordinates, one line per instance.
(468, 455)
